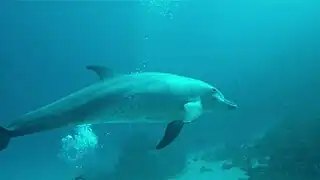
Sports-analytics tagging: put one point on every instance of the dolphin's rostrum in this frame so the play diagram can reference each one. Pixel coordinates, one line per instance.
(146, 97)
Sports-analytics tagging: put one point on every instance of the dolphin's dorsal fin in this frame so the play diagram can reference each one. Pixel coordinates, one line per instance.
(102, 71)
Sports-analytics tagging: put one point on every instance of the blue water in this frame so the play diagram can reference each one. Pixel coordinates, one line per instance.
(264, 55)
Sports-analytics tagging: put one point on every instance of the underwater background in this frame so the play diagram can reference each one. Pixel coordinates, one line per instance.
(264, 55)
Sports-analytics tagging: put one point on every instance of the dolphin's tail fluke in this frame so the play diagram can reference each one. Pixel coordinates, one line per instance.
(5, 136)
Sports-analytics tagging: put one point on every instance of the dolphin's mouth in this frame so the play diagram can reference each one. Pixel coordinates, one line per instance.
(230, 104)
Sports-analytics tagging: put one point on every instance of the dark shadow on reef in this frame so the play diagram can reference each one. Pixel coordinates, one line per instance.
(139, 160)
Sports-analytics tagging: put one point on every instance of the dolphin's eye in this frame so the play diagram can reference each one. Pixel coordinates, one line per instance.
(214, 90)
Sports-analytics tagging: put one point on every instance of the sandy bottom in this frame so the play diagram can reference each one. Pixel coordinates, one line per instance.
(202, 170)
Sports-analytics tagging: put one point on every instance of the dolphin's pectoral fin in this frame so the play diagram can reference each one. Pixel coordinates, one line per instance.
(101, 71)
(172, 131)
(192, 111)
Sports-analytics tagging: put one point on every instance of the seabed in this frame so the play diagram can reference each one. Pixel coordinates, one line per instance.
(203, 170)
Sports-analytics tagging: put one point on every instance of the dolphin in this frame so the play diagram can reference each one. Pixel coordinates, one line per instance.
(145, 97)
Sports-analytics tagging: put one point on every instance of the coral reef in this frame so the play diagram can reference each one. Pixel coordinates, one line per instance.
(288, 151)
(293, 149)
